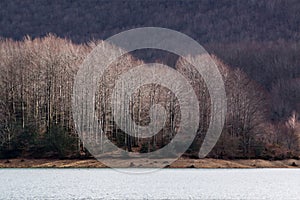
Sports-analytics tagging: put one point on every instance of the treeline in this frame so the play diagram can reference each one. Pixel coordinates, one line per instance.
(36, 87)
(275, 66)
(35, 105)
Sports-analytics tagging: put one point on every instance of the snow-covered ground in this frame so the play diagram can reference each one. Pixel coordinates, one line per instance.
(162, 184)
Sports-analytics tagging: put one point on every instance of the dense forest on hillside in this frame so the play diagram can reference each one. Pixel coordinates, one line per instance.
(205, 20)
(254, 43)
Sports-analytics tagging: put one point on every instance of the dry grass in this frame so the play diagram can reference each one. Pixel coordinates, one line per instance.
(180, 163)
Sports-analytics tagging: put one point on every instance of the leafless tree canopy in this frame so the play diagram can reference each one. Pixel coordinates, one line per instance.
(36, 87)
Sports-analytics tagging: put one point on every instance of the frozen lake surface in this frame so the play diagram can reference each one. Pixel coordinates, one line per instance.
(163, 184)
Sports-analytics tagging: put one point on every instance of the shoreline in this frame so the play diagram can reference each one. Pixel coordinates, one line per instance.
(206, 163)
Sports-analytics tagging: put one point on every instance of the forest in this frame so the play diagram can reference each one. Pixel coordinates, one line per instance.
(255, 45)
(37, 77)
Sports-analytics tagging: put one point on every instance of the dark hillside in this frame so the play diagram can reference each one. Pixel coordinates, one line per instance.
(205, 20)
